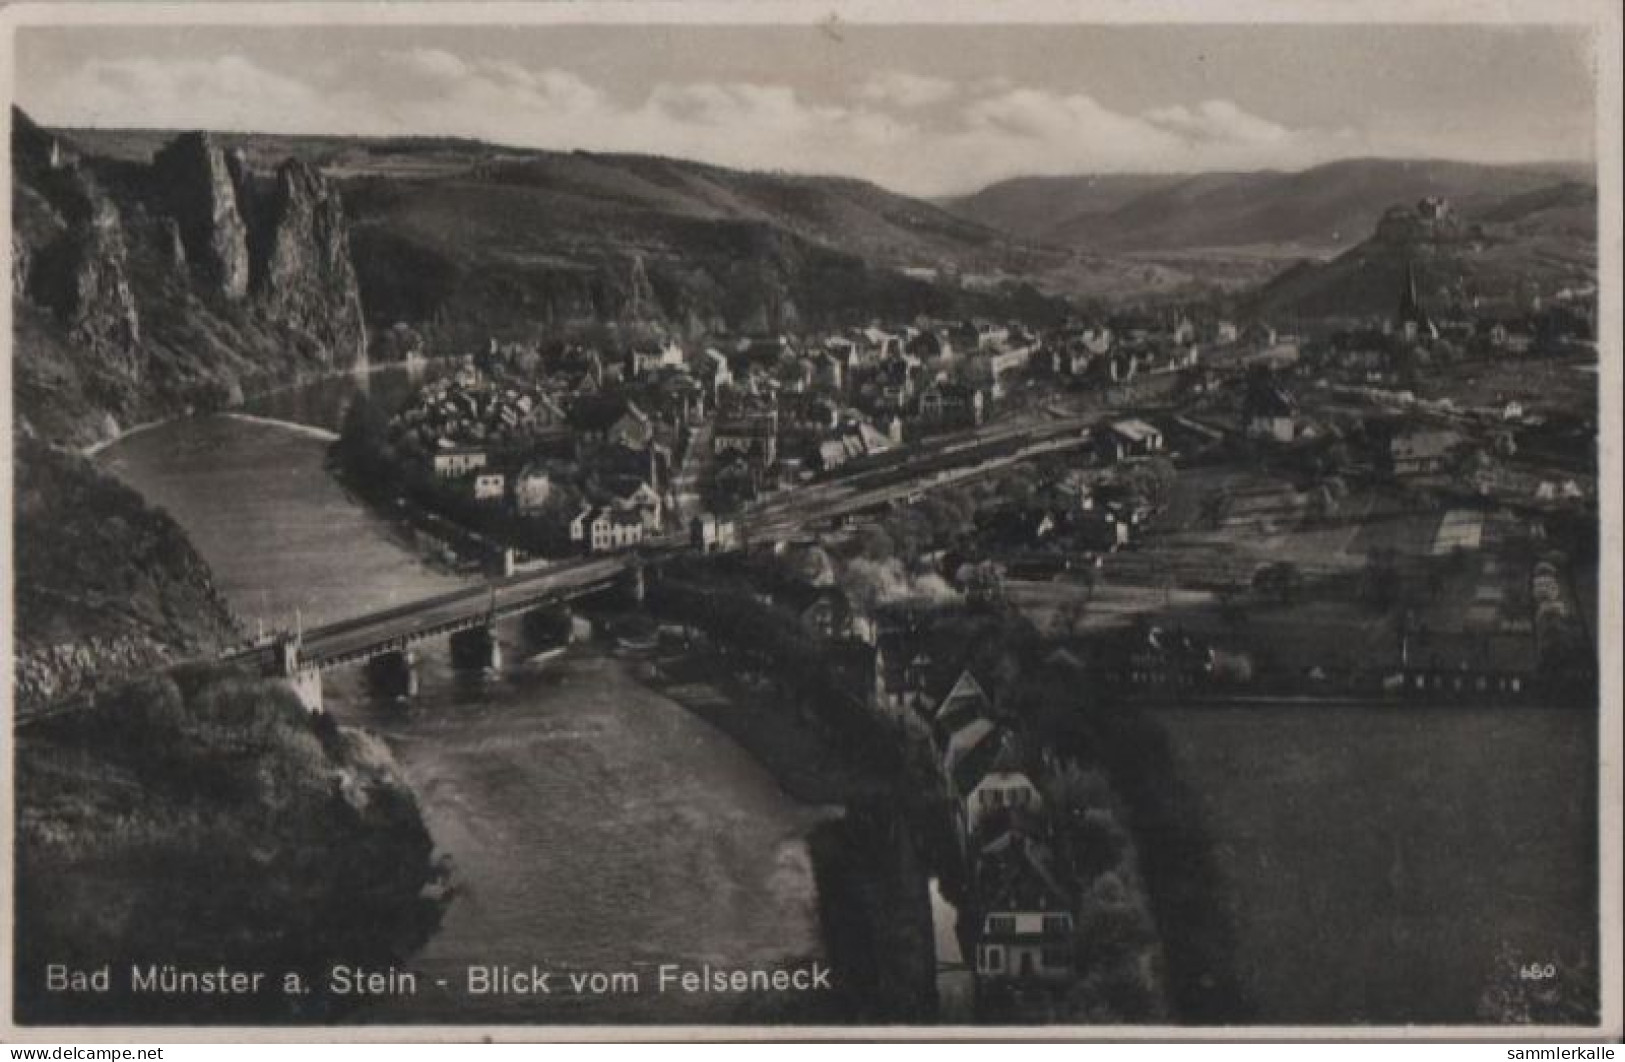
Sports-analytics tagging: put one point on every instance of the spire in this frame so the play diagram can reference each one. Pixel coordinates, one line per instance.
(1409, 308)
(1412, 317)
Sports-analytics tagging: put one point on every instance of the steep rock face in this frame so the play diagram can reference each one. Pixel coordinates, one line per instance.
(198, 190)
(95, 300)
(70, 262)
(302, 270)
(145, 289)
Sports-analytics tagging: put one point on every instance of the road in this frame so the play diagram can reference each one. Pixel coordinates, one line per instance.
(353, 638)
(792, 510)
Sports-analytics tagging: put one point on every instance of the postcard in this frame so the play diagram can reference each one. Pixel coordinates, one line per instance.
(760, 521)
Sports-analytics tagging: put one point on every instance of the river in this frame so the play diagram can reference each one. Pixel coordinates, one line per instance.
(592, 824)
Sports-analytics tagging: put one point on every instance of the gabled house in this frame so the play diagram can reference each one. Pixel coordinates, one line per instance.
(1027, 929)
(952, 405)
(1005, 790)
(965, 701)
(1271, 412)
(641, 499)
(1417, 451)
(490, 486)
(753, 436)
(633, 429)
(654, 356)
(451, 462)
(1125, 439)
(823, 611)
(968, 754)
(602, 528)
(902, 672)
(532, 487)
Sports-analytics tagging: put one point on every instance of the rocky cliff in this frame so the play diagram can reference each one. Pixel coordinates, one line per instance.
(197, 189)
(301, 267)
(148, 288)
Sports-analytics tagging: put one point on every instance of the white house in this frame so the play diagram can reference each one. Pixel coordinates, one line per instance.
(1003, 787)
(453, 461)
(532, 487)
(603, 528)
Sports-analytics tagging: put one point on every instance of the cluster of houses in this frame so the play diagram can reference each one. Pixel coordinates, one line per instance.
(594, 460)
(1022, 901)
(763, 411)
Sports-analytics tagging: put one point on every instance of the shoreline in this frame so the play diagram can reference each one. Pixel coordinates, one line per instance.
(94, 449)
(772, 734)
(308, 430)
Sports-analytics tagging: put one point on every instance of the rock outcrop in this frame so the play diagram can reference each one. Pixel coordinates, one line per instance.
(302, 271)
(196, 187)
(149, 290)
(93, 296)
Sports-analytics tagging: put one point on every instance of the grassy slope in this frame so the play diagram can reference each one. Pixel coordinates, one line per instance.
(1539, 249)
(1030, 207)
(218, 825)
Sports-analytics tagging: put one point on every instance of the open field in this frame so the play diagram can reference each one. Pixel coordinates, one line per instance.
(1352, 856)
(1264, 520)
(1567, 385)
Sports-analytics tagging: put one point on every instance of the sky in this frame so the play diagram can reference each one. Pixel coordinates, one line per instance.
(923, 109)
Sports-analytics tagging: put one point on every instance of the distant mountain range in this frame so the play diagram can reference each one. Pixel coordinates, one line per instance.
(1324, 209)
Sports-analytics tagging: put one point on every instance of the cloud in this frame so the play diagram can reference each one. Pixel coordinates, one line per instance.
(433, 63)
(916, 134)
(902, 89)
(227, 91)
(1217, 121)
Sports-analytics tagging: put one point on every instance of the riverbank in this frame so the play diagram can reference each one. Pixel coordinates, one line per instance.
(766, 726)
(240, 410)
(310, 431)
(871, 879)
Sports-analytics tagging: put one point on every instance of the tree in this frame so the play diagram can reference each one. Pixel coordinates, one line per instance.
(1382, 583)
(1152, 480)
(1279, 580)
(1070, 616)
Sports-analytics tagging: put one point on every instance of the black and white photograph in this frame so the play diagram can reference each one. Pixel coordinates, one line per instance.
(767, 517)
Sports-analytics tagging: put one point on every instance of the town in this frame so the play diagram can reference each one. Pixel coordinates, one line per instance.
(1387, 508)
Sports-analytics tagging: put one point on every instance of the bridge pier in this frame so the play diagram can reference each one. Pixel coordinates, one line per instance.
(394, 674)
(477, 647)
(547, 626)
(636, 584)
(307, 686)
(305, 682)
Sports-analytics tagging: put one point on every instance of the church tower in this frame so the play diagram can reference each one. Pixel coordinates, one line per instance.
(1413, 320)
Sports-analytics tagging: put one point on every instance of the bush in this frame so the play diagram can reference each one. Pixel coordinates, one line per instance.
(148, 710)
(247, 710)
